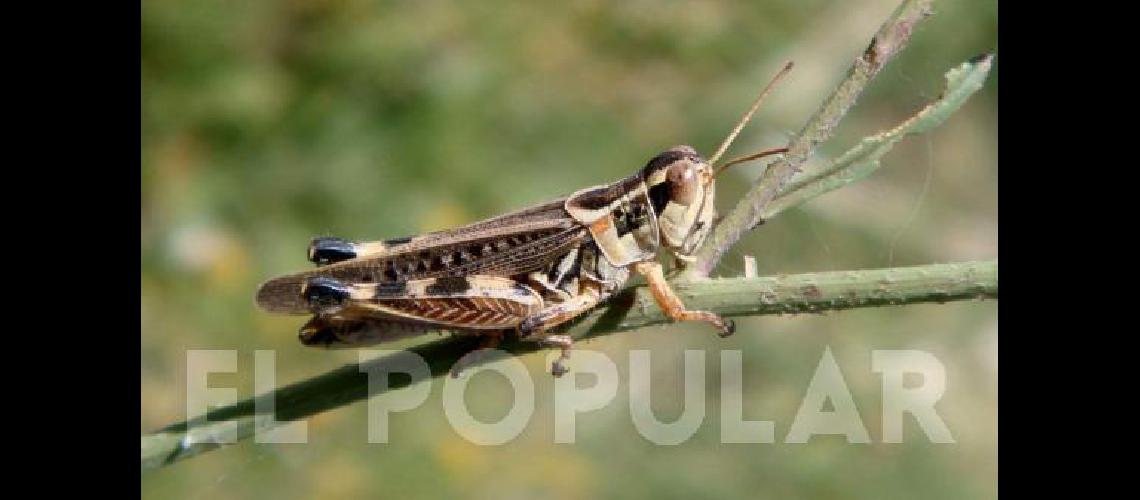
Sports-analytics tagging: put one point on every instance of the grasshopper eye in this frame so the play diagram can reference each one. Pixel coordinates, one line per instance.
(325, 295)
(684, 183)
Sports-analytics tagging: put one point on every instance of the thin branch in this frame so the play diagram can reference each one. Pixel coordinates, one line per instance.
(863, 159)
(890, 39)
(634, 308)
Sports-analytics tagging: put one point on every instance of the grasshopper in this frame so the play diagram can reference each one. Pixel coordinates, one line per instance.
(522, 273)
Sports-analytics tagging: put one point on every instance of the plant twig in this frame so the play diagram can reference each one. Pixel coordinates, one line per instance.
(888, 41)
(632, 309)
(863, 159)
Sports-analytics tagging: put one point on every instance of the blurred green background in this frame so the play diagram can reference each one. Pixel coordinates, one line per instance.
(265, 123)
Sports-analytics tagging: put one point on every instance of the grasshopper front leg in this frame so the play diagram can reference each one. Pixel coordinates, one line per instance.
(671, 304)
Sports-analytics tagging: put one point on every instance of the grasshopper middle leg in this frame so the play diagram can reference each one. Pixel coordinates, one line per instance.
(535, 326)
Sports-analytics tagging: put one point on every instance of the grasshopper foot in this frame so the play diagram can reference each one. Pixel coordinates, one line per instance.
(728, 329)
(558, 369)
(563, 342)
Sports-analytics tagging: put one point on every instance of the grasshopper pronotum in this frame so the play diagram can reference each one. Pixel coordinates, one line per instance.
(524, 272)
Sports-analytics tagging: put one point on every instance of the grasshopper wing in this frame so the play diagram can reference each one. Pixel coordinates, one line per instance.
(509, 245)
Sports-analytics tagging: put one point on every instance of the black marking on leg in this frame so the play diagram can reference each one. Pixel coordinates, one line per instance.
(448, 285)
(324, 294)
(324, 251)
(398, 241)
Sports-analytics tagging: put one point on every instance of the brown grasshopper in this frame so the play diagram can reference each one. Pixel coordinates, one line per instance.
(524, 272)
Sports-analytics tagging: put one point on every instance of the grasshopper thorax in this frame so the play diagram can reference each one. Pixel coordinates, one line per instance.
(668, 203)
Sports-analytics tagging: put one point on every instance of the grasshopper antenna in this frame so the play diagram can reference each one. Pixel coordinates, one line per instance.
(753, 156)
(748, 116)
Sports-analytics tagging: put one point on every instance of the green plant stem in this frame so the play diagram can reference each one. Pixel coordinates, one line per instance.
(632, 309)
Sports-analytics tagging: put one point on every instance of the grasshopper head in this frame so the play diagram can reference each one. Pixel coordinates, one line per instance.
(668, 203)
(682, 192)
